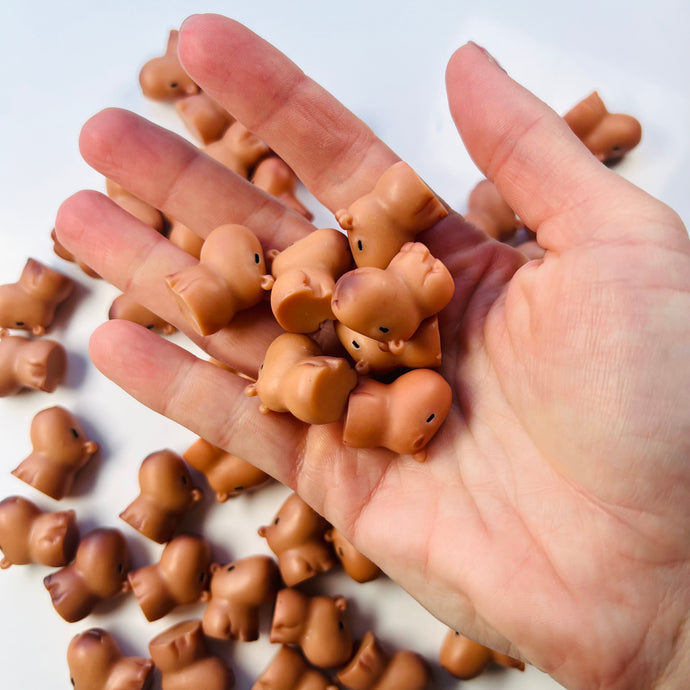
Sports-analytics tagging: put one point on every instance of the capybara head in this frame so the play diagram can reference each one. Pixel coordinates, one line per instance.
(164, 476)
(103, 561)
(163, 78)
(295, 523)
(56, 432)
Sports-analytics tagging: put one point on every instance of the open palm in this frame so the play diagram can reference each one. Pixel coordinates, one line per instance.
(551, 519)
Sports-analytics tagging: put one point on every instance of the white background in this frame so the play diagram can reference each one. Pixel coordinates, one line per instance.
(62, 62)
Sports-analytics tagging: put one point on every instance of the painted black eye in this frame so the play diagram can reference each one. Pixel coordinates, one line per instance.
(71, 680)
(430, 418)
(202, 577)
(173, 84)
(257, 259)
(341, 552)
(359, 245)
(276, 521)
(230, 567)
(75, 433)
(150, 326)
(383, 329)
(341, 625)
(184, 480)
(21, 324)
(120, 568)
(355, 344)
(239, 488)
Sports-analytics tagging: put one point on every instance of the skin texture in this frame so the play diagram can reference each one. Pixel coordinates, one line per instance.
(564, 456)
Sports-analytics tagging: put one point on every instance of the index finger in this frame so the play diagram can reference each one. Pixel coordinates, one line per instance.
(332, 151)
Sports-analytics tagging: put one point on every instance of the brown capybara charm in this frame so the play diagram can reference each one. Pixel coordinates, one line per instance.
(318, 625)
(488, 211)
(180, 577)
(163, 78)
(296, 537)
(60, 450)
(125, 308)
(354, 563)
(29, 535)
(141, 210)
(288, 670)
(30, 303)
(182, 656)
(25, 363)
(203, 117)
(465, 658)
(96, 662)
(98, 572)
(277, 178)
(238, 149)
(397, 209)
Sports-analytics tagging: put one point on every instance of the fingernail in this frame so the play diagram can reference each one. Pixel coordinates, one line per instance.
(487, 55)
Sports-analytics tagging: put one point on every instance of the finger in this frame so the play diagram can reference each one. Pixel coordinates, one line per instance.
(136, 259)
(333, 152)
(540, 167)
(197, 394)
(174, 176)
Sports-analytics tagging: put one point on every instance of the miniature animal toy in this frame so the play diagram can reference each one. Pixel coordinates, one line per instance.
(297, 537)
(402, 416)
(203, 117)
(296, 377)
(609, 136)
(488, 211)
(30, 535)
(228, 475)
(60, 250)
(394, 212)
(30, 303)
(238, 149)
(60, 449)
(237, 592)
(373, 668)
(96, 662)
(355, 564)
(182, 656)
(163, 78)
(167, 494)
(125, 308)
(305, 275)
(135, 206)
(289, 671)
(180, 577)
(318, 625)
(231, 275)
(184, 238)
(25, 363)
(98, 573)
(416, 283)
(421, 351)
(277, 178)
(465, 658)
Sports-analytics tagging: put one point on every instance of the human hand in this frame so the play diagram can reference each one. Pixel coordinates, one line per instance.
(551, 519)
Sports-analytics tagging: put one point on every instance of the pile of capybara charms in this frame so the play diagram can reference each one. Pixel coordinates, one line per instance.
(381, 290)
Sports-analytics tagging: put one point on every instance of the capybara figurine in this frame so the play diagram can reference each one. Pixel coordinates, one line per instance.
(373, 668)
(163, 78)
(318, 625)
(464, 658)
(397, 209)
(96, 662)
(402, 416)
(277, 178)
(203, 117)
(296, 537)
(124, 307)
(305, 275)
(609, 136)
(25, 363)
(390, 304)
(30, 303)
(60, 450)
(296, 377)
(135, 206)
(488, 211)
(355, 564)
(422, 350)
(62, 252)
(182, 656)
(167, 493)
(180, 577)
(231, 275)
(228, 475)
(288, 670)
(237, 592)
(185, 238)
(98, 572)
(238, 149)
(29, 535)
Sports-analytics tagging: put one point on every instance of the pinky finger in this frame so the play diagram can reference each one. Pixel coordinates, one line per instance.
(197, 394)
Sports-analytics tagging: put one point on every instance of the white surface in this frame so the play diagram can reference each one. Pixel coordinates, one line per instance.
(61, 62)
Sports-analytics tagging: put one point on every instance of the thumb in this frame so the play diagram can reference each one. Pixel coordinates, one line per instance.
(549, 178)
